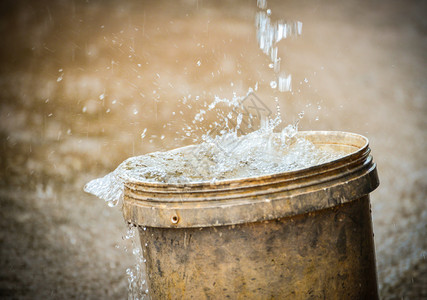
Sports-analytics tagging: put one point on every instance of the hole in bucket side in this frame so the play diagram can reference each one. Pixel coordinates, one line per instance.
(175, 219)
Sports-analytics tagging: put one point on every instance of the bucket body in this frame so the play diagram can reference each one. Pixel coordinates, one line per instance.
(296, 235)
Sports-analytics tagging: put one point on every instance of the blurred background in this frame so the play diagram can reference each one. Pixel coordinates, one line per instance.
(81, 81)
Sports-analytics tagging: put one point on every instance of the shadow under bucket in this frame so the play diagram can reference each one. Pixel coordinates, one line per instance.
(294, 235)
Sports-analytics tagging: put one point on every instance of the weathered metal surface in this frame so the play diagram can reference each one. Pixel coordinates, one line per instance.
(296, 235)
(328, 254)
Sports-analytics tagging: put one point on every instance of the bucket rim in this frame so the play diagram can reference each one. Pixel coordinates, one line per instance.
(262, 198)
(362, 148)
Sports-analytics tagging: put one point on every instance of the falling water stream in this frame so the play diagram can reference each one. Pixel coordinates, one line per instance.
(226, 150)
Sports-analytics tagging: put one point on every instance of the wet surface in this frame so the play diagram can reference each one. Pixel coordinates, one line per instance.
(80, 81)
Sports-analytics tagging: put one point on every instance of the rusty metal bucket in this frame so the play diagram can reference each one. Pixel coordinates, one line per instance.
(296, 235)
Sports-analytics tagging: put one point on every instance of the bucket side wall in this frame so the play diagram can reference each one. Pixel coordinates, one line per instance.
(327, 254)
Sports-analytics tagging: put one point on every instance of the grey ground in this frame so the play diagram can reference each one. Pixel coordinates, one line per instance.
(365, 62)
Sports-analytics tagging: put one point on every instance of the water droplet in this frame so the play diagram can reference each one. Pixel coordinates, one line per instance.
(301, 114)
(135, 111)
(305, 80)
(143, 133)
(199, 63)
(271, 65)
(84, 109)
(59, 78)
(285, 83)
(273, 84)
(112, 203)
(269, 12)
(101, 97)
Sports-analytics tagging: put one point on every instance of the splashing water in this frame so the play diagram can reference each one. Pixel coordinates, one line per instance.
(221, 157)
(137, 285)
(225, 155)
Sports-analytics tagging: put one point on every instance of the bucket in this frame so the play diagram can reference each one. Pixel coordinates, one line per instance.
(294, 235)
